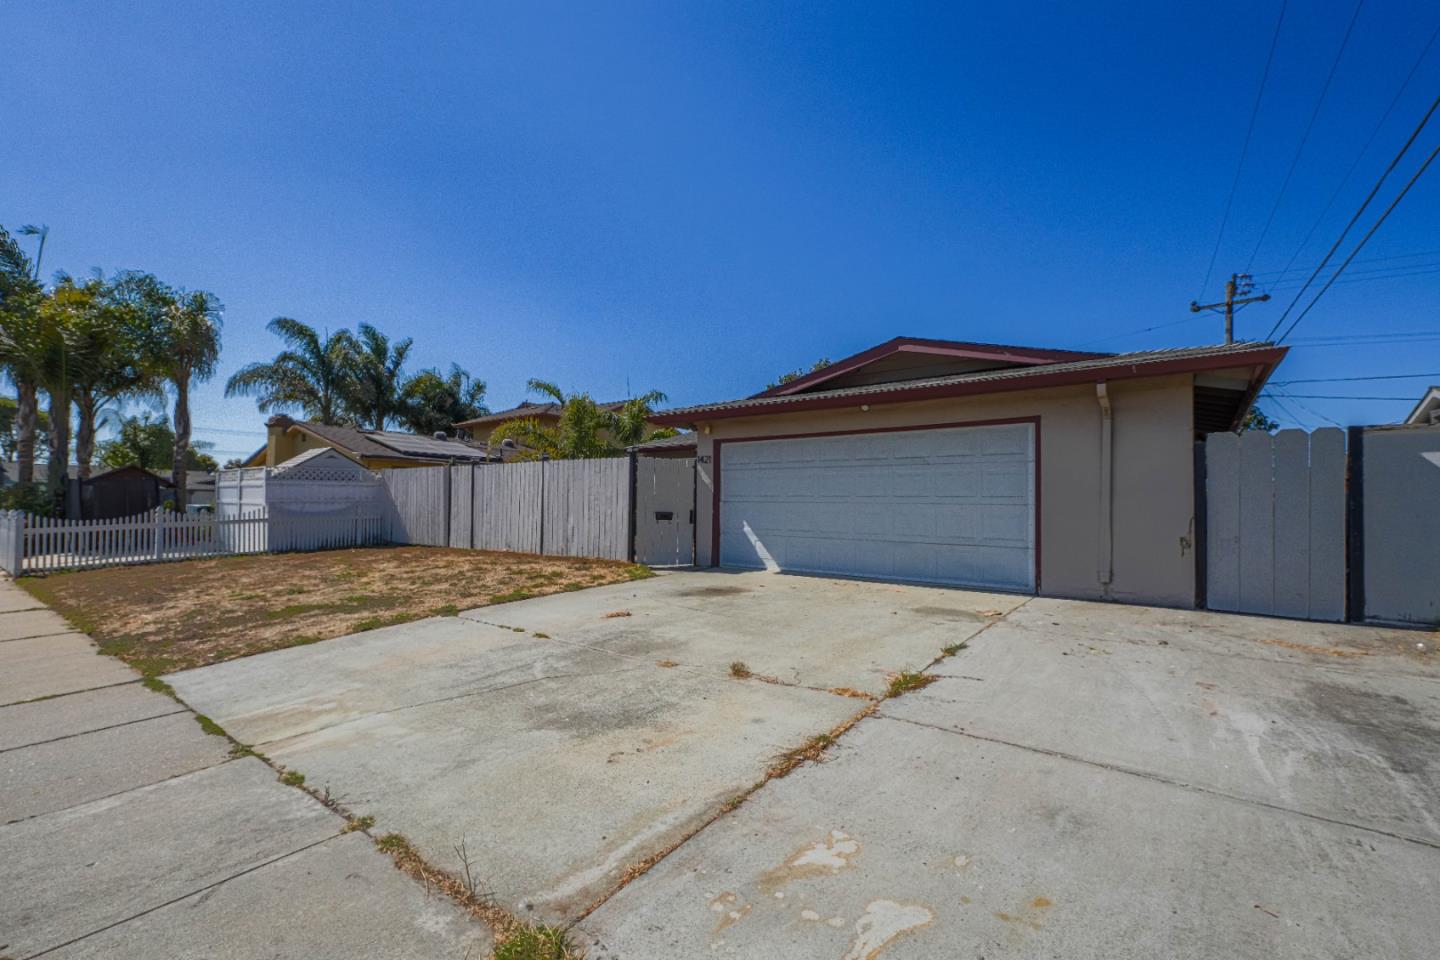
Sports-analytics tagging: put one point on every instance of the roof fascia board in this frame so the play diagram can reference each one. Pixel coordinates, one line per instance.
(1264, 361)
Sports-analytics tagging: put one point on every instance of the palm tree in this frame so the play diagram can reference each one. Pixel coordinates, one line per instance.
(584, 430)
(20, 295)
(189, 351)
(311, 373)
(438, 403)
(108, 358)
(62, 339)
(631, 423)
(377, 378)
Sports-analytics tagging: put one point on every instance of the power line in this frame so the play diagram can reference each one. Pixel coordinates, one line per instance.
(1382, 376)
(1355, 219)
(1398, 256)
(1394, 101)
(1363, 240)
(1367, 277)
(1310, 410)
(1244, 148)
(1117, 336)
(1344, 396)
(1305, 138)
(1347, 341)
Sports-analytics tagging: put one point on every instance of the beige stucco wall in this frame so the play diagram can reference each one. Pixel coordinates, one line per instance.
(1153, 480)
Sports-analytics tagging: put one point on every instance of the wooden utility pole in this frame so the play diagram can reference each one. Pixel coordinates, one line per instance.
(1239, 284)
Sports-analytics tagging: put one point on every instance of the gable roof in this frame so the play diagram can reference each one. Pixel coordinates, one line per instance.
(1429, 406)
(387, 444)
(1262, 357)
(1001, 354)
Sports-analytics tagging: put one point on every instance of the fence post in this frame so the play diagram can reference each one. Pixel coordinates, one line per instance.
(15, 547)
(1200, 541)
(1355, 526)
(157, 529)
(634, 480)
(544, 459)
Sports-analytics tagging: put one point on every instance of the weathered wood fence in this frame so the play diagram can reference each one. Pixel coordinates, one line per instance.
(31, 544)
(1308, 525)
(570, 508)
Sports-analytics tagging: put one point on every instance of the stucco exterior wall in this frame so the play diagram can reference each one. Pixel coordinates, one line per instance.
(1153, 478)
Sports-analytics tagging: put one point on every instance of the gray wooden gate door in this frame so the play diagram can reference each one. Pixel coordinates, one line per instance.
(665, 511)
(1400, 507)
(1275, 523)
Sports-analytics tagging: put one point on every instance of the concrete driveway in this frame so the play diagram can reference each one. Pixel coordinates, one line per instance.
(1090, 780)
(566, 739)
(1082, 779)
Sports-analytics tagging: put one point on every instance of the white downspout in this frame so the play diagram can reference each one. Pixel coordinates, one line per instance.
(1107, 526)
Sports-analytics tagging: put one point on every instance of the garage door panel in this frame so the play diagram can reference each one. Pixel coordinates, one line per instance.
(949, 505)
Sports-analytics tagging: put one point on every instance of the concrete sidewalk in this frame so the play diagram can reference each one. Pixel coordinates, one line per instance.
(127, 830)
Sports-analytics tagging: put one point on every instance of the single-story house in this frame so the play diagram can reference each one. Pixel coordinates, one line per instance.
(372, 449)
(1057, 472)
(1427, 411)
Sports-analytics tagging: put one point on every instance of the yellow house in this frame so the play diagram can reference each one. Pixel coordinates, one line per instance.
(372, 449)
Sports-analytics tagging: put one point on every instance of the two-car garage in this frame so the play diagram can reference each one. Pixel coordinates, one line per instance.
(953, 505)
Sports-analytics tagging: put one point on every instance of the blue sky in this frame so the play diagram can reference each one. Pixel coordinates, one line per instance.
(695, 197)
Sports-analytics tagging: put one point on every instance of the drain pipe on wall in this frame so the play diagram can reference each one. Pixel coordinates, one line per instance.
(1107, 522)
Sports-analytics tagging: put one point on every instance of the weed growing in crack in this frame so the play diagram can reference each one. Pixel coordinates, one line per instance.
(907, 681)
(536, 943)
(954, 648)
(293, 778)
(358, 823)
(740, 670)
(210, 726)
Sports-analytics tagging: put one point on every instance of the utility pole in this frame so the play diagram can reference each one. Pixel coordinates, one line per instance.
(1239, 284)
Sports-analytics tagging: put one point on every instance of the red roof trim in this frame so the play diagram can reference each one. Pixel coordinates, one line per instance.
(1030, 356)
(1264, 360)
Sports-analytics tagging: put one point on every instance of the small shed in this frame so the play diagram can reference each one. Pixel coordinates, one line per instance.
(122, 492)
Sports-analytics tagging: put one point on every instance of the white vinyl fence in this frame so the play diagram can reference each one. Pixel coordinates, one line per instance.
(31, 544)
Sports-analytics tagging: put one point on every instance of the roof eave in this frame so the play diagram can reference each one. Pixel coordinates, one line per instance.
(1263, 360)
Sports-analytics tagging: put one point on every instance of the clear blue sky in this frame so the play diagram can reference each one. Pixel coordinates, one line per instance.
(695, 197)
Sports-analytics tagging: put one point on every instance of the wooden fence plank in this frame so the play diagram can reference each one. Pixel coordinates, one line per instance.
(1222, 506)
(1327, 524)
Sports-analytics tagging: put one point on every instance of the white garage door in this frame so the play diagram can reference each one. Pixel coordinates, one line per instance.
(952, 505)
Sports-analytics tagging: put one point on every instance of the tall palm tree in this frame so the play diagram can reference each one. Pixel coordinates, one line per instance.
(108, 358)
(311, 373)
(438, 403)
(20, 296)
(189, 352)
(377, 378)
(631, 423)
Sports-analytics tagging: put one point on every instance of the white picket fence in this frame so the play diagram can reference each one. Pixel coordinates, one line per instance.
(31, 544)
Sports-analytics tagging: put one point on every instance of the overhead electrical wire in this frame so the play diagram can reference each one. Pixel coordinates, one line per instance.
(1354, 164)
(1305, 138)
(1244, 148)
(1382, 376)
(1363, 240)
(1398, 256)
(1356, 218)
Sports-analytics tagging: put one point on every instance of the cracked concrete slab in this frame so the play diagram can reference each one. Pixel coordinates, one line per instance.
(51, 776)
(562, 765)
(13, 598)
(338, 900)
(1322, 735)
(285, 693)
(812, 631)
(918, 843)
(36, 621)
(27, 723)
(50, 666)
(76, 871)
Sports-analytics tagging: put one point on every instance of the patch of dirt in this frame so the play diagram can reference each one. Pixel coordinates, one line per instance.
(162, 618)
(714, 592)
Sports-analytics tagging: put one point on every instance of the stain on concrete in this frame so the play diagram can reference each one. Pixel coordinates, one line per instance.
(1398, 733)
(884, 922)
(714, 592)
(949, 613)
(821, 858)
(729, 909)
(1030, 916)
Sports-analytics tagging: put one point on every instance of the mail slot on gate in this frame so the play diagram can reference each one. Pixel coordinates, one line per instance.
(664, 515)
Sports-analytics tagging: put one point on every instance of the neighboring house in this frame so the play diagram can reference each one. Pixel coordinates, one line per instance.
(10, 469)
(679, 446)
(547, 414)
(372, 449)
(1427, 411)
(1056, 472)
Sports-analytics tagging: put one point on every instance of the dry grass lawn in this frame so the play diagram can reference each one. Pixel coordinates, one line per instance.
(178, 615)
